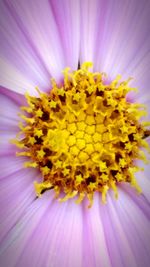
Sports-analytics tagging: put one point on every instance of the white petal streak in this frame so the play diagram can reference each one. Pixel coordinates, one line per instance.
(9, 109)
(67, 17)
(118, 245)
(29, 42)
(13, 78)
(15, 164)
(89, 13)
(66, 241)
(136, 227)
(94, 242)
(48, 235)
(17, 193)
(144, 182)
(122, 38)
(17, 238)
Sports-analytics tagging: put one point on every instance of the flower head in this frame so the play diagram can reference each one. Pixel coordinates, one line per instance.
(82, 132)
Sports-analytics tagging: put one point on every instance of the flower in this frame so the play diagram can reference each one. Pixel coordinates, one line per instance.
(38, 40)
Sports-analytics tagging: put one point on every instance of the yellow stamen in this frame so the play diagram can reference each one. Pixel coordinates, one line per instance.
(84, 136)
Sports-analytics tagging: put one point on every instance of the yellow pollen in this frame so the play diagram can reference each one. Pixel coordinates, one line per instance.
(83, 136)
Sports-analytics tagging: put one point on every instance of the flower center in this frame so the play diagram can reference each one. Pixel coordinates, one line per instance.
(84, 136)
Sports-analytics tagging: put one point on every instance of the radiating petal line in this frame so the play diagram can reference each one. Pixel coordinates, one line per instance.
(121, 241)
(67, 17)
(56, 230)
(141, 200)
(17, 193)
(95, 249)
(30, 40)
(123, 39)
(136, 227)
(88, 31)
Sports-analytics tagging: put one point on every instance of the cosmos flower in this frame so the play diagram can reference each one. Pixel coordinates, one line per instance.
(39, 39)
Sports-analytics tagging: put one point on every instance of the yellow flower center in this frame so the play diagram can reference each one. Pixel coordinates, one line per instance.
(84, 136)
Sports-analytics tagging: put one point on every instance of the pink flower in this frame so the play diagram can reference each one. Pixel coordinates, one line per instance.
(38, 40)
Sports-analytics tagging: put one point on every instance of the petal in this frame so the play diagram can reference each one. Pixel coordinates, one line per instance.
(144, 182)
(122, 42)
(48, 235)
(136, 228)
(18, 99)
(143, 178)
(16, 183)
(17, 193)
(67, 16)
(117, 41)
(9, 109)
(95, 249)
(10, 243)
(30, 45)
(89, 13)
(123, 39)
(141, 200)
(127, 232)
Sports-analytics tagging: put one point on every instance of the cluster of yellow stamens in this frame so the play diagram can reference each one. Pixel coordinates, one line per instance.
(84, 136)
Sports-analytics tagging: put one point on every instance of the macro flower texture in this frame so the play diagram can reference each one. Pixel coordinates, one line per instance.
(74, 133)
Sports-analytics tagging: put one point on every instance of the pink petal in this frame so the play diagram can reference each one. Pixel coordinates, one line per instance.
(117, 41)
(9, 109)
(144, 182)
(17, 193)
(48, 235)
(67, 16)
(122, 38)
(94, 242)
(134, 238)
(126, 240)
(30, 45)
(88, 31)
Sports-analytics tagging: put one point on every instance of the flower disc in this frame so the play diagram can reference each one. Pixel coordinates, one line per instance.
(84, 136)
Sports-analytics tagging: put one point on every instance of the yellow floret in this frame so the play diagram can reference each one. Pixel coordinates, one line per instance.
(81, 126)
(39, 113)
(31, 140)
(72, 128)
(53, 104)
(40, 153)
(90, 120)
(78, 179)
(90, 129)
(71, 140)
(82, 116)
(88, 138)
(83, 156)
(89, 149)
(100, 128)
(74, 151)
(79, 134)
(97, 137)
(80, 143)
(83, 135)
(38, 132)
